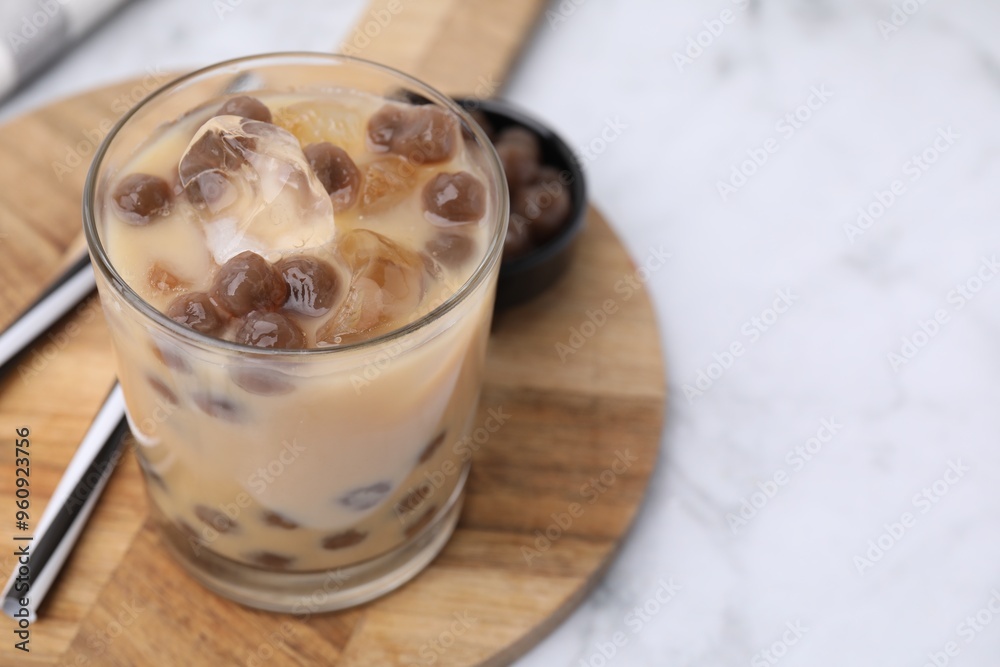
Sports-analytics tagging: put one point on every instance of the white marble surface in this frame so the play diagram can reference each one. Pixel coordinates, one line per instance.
(854, 298)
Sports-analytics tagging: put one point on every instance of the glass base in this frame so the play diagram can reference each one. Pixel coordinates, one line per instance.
(306, 593)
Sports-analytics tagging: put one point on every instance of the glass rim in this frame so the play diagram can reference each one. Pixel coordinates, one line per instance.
(103, 263)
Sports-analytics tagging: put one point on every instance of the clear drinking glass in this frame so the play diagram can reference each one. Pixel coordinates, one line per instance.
(356, 442)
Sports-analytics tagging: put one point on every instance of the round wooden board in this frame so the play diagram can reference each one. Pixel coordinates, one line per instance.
(551, 496)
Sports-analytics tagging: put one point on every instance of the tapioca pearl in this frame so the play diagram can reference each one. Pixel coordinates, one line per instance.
(366, 497)
(206, 166)
(248, 282)
(452, 249)
(210, 189)
(519, 153)
(547, 205)
(278, 520)
(171, 358)
(162, 390)
(270, 331)
(142, 198)
(348, 538)
(432, 447)
(262, 381)
(247, 107)
(454, 198)
(215, 519)
(338, 173)
(427, 135)
(270, 560)
(421, 134)
(383, 125)
(421, 523)
(197, 311)
(313, 285)
(216, 149)
(219, 407)
(413, 500)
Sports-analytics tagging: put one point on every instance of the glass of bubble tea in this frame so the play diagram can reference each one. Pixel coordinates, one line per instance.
(297, 257)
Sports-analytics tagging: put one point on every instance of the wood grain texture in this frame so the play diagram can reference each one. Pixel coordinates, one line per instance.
(457, 46)
(499, 586)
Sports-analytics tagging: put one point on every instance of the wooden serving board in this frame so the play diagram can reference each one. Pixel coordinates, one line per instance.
(551, 496)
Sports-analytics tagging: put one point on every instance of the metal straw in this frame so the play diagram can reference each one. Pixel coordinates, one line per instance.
(65, 292)
(68, 509)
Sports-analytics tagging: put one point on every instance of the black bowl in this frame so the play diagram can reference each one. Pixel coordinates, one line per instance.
(527, 276)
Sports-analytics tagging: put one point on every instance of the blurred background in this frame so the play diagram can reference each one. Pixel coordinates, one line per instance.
(824, 177)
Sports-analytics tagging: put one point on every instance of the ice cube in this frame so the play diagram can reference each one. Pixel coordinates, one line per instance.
(388, 283)
(318, 121)
(162, 279)
(385, 183)
(254, 189)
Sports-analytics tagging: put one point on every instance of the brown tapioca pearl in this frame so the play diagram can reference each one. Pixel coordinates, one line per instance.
(247, 282)
(414, 499)
(171, 358)
(215, 519)
(210, 189)
(162, 279)
(262, 381)
(421, 523)
(313, 285)
(450, 248)
(365, 497)
(203, 167)
(270, 560)
(423, 134)
(247, 107)
(162, 390)
(519, 153)
(348, 538)
(142, 198)
(549, 174)
(518, 241)
(547, 205)
(337, 172)
(383, 125)
(270, 331)
(196, 310)
(432, 447)
(278, 520)
(219, 407)
(428, 136)
(216, 149)
(458, 197)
